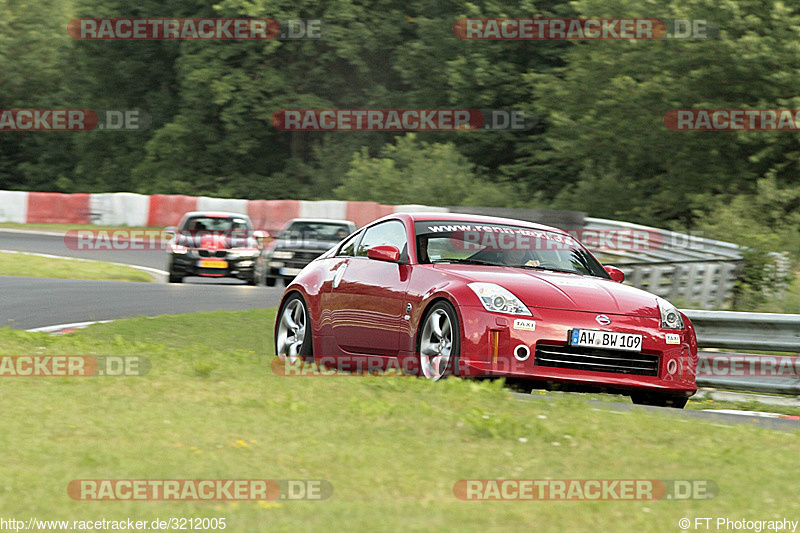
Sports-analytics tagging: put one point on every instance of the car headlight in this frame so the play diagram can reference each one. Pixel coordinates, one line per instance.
(178, 249)
(670, 316)
(282, 254)
(498, 299)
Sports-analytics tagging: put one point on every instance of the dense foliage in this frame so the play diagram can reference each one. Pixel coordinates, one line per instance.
(600, 144)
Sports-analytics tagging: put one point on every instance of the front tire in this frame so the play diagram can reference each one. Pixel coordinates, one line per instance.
(659, 400)
(293, 338)
(439, 342)
(269, 282)
(175, 278)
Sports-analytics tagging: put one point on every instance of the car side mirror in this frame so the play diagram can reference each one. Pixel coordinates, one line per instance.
(171, 231)
(384, 252)
(615, 273)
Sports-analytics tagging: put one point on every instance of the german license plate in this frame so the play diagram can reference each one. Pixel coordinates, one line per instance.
(206, 263)
(611, 340)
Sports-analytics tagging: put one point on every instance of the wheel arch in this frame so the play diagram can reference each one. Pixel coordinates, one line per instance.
(425, 309)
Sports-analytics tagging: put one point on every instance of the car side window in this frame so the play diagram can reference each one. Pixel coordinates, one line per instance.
(349, 246)
(391, 232)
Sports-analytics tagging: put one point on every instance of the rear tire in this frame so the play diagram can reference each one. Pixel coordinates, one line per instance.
(659, 400)
(175, 278)
(439, 342)
(269, 282)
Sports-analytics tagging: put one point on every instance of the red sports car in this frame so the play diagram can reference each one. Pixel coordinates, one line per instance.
(453, 294)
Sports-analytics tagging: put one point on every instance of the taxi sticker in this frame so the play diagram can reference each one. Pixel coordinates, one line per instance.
(527, 325)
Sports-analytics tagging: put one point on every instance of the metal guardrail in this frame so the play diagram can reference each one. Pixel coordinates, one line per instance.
(728, 330)
(673, 246)
(688, 269)
(769, 332)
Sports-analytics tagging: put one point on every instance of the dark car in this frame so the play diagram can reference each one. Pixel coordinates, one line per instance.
(213, 245)
(301, 241)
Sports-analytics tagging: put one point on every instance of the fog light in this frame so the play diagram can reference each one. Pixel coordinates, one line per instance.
(522, 352)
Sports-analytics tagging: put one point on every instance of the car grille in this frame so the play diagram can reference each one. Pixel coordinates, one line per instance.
(212, 253)
(597, 360)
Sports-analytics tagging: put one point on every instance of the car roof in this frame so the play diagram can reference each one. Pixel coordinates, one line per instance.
(322, 220)
(465, 217)
(215, 214)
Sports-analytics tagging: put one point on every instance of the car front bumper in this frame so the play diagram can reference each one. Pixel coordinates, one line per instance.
(192, 264)
(543, 353)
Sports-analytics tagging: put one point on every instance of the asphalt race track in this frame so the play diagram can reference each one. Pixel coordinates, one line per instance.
(27, 303)
(54, 245)
(36, 302)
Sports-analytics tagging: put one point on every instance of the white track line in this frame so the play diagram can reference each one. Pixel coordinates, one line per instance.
(35, 232)
(59, 327)
(149, 270)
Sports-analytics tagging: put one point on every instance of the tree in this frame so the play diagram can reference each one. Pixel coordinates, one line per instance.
(31, 67)
(413, 171)
(607, 145)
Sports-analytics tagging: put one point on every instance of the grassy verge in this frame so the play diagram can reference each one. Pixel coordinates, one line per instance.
(708, 403)
(391, 447)
(22, 264)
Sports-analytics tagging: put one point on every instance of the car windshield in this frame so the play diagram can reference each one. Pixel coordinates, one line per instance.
(316, 231)
(503, 245)
(215, 224)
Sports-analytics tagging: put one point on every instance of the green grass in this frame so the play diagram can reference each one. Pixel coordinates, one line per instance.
(391, 447)
(22, 264)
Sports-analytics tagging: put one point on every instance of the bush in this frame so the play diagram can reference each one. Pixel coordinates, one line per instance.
(767, 224)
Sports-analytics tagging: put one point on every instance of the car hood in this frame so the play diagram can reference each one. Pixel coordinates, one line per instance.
(563, 291)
